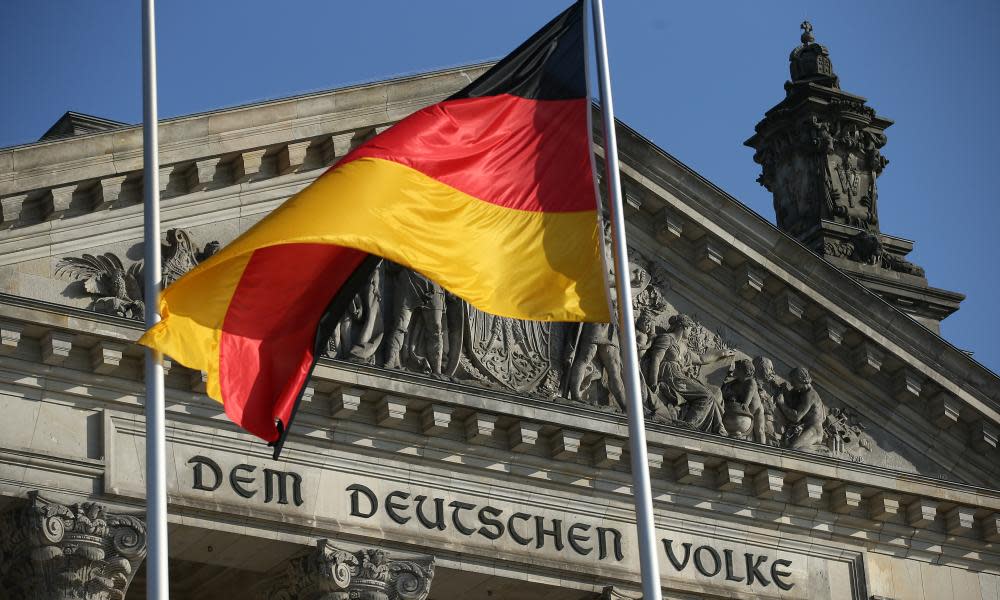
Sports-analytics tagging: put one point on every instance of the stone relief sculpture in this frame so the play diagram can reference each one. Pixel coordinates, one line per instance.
(804, 412)
(421, 344)
(118, 290)
(359, 333)
(434, 333)
(401, 320)
(743, 412)
(115, 289)
(678, 395)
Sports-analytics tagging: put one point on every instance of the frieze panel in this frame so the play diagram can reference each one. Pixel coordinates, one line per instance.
(401, 320)
(694, 377)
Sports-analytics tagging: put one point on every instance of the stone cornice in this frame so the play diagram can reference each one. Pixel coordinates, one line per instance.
(57, 162)
(573, 444)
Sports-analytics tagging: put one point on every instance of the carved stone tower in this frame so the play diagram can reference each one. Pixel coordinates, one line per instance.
(820, 153)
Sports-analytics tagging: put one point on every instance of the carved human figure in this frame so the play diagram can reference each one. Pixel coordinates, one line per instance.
(672, 376)
(359, 332)
(768, 389)
(743, 414)
(600, 341)
(417, 294)
(804, 410)
(597, 340)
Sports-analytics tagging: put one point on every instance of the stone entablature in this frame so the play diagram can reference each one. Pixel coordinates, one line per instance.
(88, 173)
(557, 439)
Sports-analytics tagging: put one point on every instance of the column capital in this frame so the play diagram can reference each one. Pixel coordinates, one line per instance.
(79, 552)
(368, 574)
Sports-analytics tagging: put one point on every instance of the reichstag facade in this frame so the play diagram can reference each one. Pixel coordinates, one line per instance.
(810, 433)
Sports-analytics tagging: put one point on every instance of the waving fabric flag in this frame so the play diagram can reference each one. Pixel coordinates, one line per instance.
(488, 193)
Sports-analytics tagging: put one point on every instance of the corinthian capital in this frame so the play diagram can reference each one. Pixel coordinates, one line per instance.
(80, 552)
(329, 573)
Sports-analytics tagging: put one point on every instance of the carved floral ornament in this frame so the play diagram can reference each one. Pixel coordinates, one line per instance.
(694, 377)
(53, 552)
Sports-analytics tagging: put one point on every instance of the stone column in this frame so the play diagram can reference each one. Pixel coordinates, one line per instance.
(53, 552)
(329, 573)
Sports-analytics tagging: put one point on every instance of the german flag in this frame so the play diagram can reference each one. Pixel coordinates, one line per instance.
(489, 193)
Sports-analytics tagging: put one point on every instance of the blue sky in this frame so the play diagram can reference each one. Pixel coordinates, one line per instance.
(694, 77)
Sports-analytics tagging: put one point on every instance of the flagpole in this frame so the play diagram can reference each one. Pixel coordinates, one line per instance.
(156, 472)
(641, 488)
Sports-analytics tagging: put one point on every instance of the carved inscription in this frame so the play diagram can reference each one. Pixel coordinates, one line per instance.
(279, 486)
(751, 568)
(532, 531)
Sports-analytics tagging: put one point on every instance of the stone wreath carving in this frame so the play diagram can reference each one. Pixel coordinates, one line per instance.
(118, 290)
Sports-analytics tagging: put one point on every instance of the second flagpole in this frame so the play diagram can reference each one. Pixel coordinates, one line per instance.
(156, 471)
(641, 487)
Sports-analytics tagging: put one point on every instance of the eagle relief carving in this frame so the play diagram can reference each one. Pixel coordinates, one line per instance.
(116, 289)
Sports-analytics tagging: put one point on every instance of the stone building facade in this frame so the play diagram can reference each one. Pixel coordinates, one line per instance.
(810, 434)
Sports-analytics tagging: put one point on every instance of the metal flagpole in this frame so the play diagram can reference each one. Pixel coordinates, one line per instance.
(641, 489)
(156, 471)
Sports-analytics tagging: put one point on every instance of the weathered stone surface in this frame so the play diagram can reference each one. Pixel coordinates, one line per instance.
(768, 483)
(960, 520)
(608, 452)
(56, 346)
(523, 436)
(436, 418)
(846, 498)
(345, 402)
(390, 411)
(368, 574)
(730, 475)
(53, 552)
(921, 512)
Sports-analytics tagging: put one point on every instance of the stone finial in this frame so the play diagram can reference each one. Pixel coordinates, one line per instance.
(369, 574)
(807, 33)
(78, 552)
(811, 61)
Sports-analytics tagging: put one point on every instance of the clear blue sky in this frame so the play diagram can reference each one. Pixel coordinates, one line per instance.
(694, 77)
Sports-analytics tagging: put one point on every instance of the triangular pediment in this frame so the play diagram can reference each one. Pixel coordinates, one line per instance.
(884, 392)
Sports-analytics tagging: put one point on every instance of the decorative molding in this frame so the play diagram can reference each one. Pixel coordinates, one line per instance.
(368, 574)
(82, 552)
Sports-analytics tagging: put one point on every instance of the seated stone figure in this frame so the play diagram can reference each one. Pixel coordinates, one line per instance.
(804, 411)
(743, 412)
(676, 392)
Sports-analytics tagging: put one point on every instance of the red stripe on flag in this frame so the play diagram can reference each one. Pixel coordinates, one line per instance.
(266, 347)
(523, 154)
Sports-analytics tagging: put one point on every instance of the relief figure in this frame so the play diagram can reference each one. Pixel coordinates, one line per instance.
(417, 294)
(743, 415)
(677, 391)
(359, 332)
(804, 410)
(768, 390)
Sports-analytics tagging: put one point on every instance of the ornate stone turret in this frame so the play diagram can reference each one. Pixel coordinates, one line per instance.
(820, 153)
